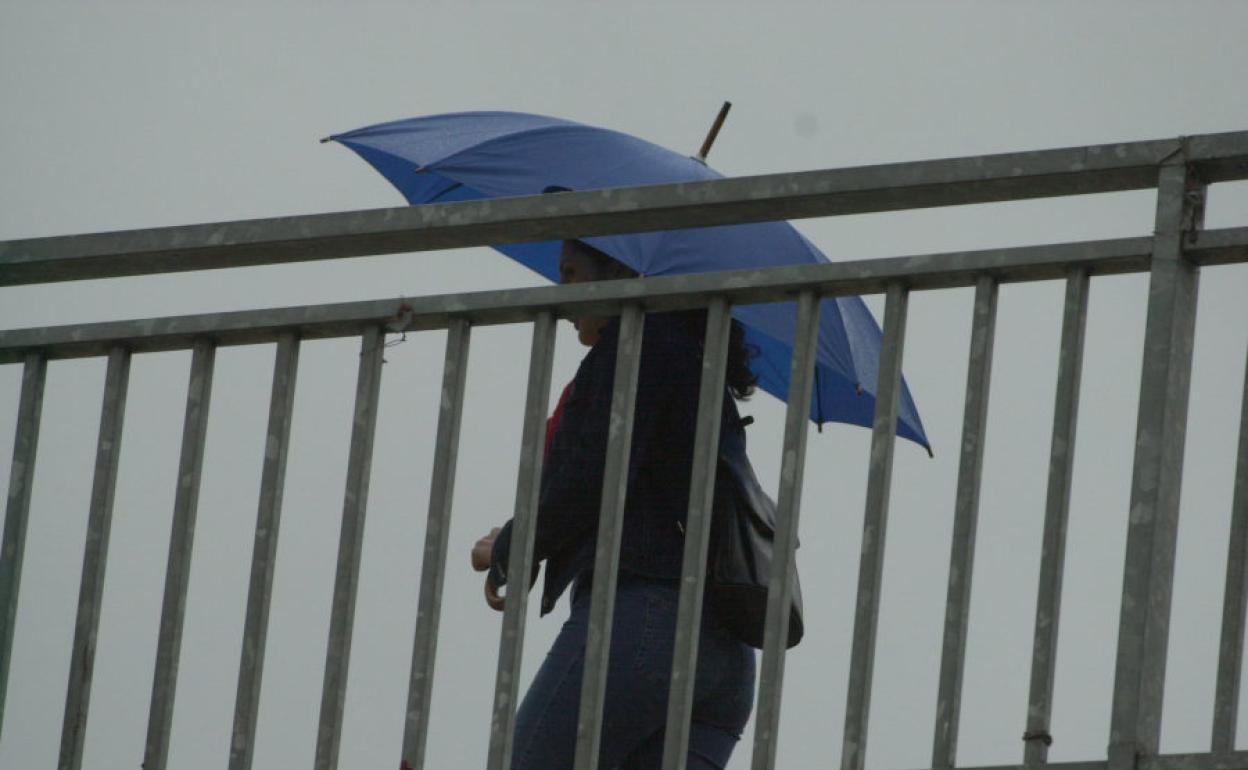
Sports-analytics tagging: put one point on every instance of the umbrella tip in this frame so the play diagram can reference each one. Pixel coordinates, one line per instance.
(714, 132)
(325, 139)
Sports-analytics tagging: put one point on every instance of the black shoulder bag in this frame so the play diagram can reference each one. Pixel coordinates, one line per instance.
(743, 534)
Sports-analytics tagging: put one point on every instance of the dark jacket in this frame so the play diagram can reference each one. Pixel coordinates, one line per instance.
(660, 460)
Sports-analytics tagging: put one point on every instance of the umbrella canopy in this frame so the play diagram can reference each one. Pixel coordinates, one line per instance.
(474, 155)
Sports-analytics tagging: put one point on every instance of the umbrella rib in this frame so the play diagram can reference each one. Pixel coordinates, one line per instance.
(455, 186)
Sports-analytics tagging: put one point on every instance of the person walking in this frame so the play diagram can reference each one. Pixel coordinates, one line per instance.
(651, 552)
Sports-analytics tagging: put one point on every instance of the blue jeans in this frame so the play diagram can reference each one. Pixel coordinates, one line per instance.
(638, 678)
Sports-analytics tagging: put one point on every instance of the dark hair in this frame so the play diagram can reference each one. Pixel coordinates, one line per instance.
(739, 377)
(606, 267)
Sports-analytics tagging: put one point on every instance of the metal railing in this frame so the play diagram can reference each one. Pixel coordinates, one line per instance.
(1180, 170)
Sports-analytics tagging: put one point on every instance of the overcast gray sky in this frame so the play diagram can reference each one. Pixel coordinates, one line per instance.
(126, 115)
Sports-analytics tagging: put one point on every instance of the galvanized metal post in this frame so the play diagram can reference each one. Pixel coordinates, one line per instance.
(17, 508)
(1144, 623)
(437, 532)
(697, 534)
(178, 570)
(94, 560)
(264, 552)
(350, 543)
(610, 534)
(965, 521)
(788, 507)
(524, 527)
(875, 521)
(1056, 515)
(1231, 649)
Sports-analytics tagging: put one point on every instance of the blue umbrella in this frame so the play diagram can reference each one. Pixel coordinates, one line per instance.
(474, 155)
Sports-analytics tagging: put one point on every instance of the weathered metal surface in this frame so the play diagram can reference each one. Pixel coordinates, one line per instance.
(1237, 760)
(519, 305)
(1056, 516)
(610, 534)
(1217, 247)
(697, 534)
(1231, 760)
(965, 520)
(788, 508)
(889, 187)
(94, 560)
(1231, 647)
(875, 521)
(520, 558)
(264, 552)
(437, 533)
(350, 543)
(1144, 622)
(17, 508)
(1088, 765)
(178, 569)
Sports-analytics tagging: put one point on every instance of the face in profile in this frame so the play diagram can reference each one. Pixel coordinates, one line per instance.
(577, 265)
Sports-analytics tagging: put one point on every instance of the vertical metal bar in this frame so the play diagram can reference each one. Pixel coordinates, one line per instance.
(780, 585)
(697, 534)
(1144, 622)
(437, 531)
(1056, 514)
(178, 570)
(350, 542)
(99, 522)
(1231, 651)
(520, 559)
(610, 533)
(17, 508)
(875, 520)
(965, 521)
(264, 552)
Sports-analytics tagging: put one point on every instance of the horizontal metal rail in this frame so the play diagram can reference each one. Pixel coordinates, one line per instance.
(887, 187)
(1233, 760)
(931, 271)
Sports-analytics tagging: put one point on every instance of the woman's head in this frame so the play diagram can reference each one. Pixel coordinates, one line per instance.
(585, 263)
(580, 262)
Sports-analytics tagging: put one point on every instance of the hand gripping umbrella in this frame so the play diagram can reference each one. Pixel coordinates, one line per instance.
(475, 155)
